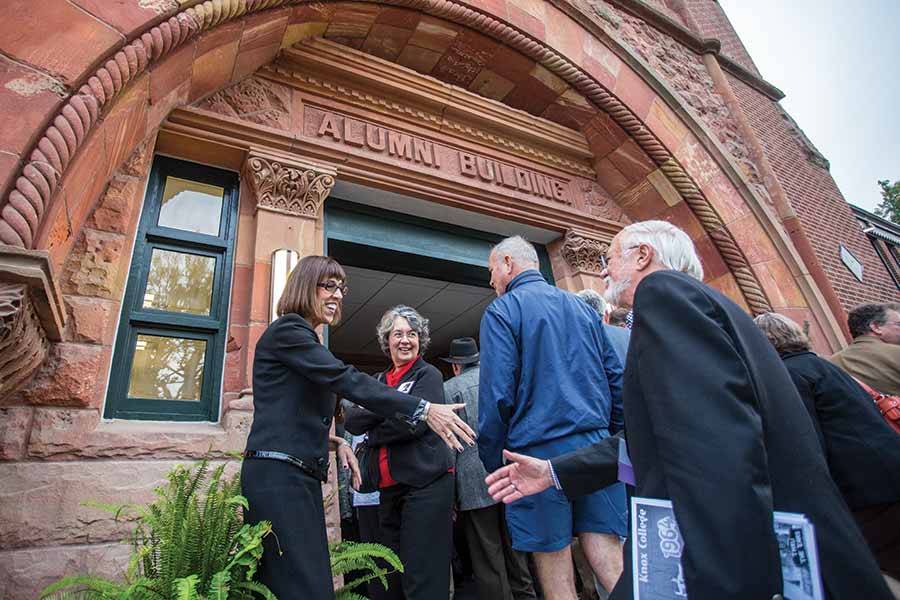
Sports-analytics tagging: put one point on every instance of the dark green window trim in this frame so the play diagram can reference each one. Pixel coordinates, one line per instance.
(136, 320)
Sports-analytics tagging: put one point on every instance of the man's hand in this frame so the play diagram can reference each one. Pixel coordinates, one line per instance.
(447, 424)
(522, 476)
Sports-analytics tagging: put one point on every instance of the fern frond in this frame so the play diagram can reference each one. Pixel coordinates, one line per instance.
(346, 594)
(219, 586)
(258, 588)
(97, 586)
(186, 588)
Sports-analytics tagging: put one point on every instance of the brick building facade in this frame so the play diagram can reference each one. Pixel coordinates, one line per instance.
(155, 149)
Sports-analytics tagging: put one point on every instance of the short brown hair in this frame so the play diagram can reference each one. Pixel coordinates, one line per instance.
(859, 319)
(300, 291)
(784, 334)
(618, 317)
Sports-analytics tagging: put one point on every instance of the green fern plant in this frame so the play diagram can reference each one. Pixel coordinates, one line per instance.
(189, 544)
(364, 557)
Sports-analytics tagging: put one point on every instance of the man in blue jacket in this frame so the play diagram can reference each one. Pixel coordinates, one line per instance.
(550, 383)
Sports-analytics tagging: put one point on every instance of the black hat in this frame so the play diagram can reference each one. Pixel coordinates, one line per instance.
(463, 351)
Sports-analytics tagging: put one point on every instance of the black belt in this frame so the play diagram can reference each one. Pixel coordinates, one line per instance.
(317, 468)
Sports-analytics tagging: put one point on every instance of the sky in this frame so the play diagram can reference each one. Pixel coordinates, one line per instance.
(836, 61)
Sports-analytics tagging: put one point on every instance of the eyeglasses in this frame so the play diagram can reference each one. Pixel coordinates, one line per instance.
(332, 286)
(410, 335)
(605, 259)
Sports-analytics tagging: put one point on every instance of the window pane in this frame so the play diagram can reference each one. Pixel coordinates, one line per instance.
(180, 282)
(191, 206)
(167, 368)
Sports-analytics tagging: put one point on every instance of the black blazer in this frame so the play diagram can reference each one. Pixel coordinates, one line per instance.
(862, 450)
(715, 424)
(295, 379)
(416, 456)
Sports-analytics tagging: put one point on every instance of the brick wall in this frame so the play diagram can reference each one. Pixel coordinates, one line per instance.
(823, 211)
(713, 23)
(667, 8)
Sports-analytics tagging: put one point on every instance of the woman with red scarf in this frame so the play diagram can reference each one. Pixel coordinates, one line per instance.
(414, 465)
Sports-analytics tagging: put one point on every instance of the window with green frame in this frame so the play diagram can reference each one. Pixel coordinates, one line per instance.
(170, 347)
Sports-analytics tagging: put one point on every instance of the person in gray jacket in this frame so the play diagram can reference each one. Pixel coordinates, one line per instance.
(501, 573)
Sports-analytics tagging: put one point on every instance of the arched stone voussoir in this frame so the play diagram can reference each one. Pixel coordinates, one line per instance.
(218, 31)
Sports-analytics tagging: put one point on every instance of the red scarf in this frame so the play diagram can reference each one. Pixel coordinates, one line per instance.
(392, 378)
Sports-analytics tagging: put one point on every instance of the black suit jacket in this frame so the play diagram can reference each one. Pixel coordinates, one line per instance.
(416, 455)
(863, 451)
(714, 423)
(295, 379)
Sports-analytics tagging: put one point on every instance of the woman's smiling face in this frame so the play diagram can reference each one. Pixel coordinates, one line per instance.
(403, 342)
(330, 301)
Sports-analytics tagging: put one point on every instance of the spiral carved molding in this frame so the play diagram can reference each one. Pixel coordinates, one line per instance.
(25, 206)
(291, 189)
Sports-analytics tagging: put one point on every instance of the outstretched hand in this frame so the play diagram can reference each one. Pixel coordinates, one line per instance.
(521, 476)
(447, 424)
(347, 460)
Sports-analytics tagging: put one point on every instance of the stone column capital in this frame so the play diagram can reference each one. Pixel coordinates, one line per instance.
(582, 251)
(286, 185)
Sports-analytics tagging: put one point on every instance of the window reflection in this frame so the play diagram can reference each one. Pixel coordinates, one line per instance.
(167, 368)
(180, 282)
(191, 206)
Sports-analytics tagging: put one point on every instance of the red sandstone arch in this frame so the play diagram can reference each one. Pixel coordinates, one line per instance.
(119, 103)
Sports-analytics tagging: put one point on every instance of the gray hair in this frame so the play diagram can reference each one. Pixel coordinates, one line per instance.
(783, 333)
(519, 250)
(593, 299)
(672, 247)
(418, 323)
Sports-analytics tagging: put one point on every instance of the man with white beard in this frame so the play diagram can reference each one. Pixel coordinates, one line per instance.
(714, 424)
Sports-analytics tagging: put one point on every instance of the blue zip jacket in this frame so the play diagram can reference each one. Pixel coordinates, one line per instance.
(548, 370)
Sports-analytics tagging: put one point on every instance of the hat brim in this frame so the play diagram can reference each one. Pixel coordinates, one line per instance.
(462, 360)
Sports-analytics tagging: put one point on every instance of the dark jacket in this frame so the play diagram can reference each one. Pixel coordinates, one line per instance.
(548, 369)
(416, 456)
(715, 424)
(471, 490)
(862, 450)
(295, 379)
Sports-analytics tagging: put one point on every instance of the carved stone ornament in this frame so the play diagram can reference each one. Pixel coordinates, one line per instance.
(287, 187)
(583, 253)
(32, 315)
(23, 343)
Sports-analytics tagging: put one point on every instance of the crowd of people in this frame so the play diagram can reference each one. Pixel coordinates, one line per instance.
(729, 417)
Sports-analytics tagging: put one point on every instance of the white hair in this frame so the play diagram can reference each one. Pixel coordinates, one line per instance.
(593, 299)
(519, 250)
(672, 248)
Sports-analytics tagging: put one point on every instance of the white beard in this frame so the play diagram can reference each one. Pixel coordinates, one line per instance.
(615, 290)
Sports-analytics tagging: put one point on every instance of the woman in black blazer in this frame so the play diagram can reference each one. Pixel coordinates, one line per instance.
(295, 380)
(862, 450)
(415, 468)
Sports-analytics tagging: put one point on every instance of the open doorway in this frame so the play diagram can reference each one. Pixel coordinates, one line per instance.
(439, 269)
(393, 258)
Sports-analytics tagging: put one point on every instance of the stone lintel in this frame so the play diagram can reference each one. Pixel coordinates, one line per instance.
(286, 185)
(33, 268)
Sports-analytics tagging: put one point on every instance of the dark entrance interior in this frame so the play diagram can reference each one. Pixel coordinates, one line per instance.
(390, 259)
